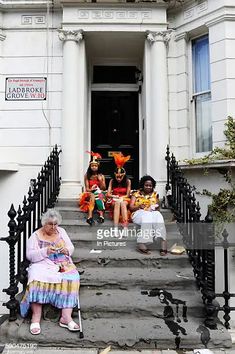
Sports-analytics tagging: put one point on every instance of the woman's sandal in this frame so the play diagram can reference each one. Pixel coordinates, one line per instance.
(100, 219)
(143, 250)
(35, 328)
(90, 221)
(70, 326)
(163, 252)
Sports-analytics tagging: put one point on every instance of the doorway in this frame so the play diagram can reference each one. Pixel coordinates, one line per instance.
(115, 128)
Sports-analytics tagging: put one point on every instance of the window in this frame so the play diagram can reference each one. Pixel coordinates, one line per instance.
(202, 93)
(114, 74)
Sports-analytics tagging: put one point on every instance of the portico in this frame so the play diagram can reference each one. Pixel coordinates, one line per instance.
(113, 35)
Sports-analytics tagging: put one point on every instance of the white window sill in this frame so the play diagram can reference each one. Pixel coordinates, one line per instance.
(213, 164)
(9, 166)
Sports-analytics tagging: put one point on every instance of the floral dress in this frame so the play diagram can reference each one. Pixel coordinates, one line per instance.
(61, 288)
(146, 199)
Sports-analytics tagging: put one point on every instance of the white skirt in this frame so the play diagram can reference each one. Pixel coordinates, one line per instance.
(151, 224)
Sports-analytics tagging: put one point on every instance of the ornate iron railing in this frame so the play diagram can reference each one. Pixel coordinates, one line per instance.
(42, 195)
(199, 240)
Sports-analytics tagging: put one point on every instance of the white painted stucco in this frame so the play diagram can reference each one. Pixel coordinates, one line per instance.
(113, 33)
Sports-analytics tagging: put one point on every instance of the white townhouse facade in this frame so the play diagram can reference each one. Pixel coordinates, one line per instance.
(110, 75)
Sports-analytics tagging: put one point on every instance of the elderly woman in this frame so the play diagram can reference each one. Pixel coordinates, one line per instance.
(145, 212)
(52, 276)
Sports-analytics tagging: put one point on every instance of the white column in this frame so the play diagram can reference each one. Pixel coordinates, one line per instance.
(72, 136)
(157, 102)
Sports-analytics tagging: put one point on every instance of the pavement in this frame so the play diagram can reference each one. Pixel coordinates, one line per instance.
(21, 348)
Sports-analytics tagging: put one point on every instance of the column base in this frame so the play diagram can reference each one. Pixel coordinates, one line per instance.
(70, 190)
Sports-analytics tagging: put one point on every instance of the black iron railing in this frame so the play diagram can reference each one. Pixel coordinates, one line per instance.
(199, 240)
(42, 195)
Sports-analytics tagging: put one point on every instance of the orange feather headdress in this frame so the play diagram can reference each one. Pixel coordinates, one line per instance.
(120, 161)
(95, 157)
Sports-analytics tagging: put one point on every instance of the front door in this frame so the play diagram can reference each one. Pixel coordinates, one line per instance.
(115, 128)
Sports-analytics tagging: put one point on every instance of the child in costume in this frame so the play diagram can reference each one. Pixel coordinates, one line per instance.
(118, 193)
(94, 186)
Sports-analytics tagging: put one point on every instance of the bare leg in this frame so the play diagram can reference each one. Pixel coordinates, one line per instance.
(124, 212)
(164, 244)
(163, 251)
(36, 314)
(102, 213)
(116, 213)
(91, 206)
(66, 316)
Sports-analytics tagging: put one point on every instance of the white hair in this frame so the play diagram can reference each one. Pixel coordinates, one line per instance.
(51, 215)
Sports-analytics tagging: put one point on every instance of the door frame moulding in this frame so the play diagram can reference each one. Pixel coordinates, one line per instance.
(110, 86)
(115, 87)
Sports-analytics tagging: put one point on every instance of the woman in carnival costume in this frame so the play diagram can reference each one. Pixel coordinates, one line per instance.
(94, 186)
(118, 193)
(145, 212)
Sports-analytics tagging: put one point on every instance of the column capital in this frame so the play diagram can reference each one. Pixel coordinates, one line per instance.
(67, 35)
(159, 36)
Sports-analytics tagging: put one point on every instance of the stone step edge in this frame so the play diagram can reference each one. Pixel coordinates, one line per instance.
(136, 299)
(125, 255)
(147, 333)
(78, 222)
(75, 209)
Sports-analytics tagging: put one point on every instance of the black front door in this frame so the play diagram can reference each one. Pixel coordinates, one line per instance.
(115, 128)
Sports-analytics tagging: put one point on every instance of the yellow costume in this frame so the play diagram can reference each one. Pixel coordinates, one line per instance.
(147, 200)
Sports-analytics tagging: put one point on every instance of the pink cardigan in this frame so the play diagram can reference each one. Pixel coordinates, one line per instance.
(41, 267)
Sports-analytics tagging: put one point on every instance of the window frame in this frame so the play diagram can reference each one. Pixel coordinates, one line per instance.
(193, 95)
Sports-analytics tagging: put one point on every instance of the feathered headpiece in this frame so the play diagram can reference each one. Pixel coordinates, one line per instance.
(120, 161)
(95, 157)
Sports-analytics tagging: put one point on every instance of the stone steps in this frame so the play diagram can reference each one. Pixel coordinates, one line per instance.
(95, 238)
(74, 213)
(112, 244)
(131, 303)
(88, 233)
(114, 311)
(70, 205)
(126, 257)
(134, 333)
(127, 278)
(80, 226)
